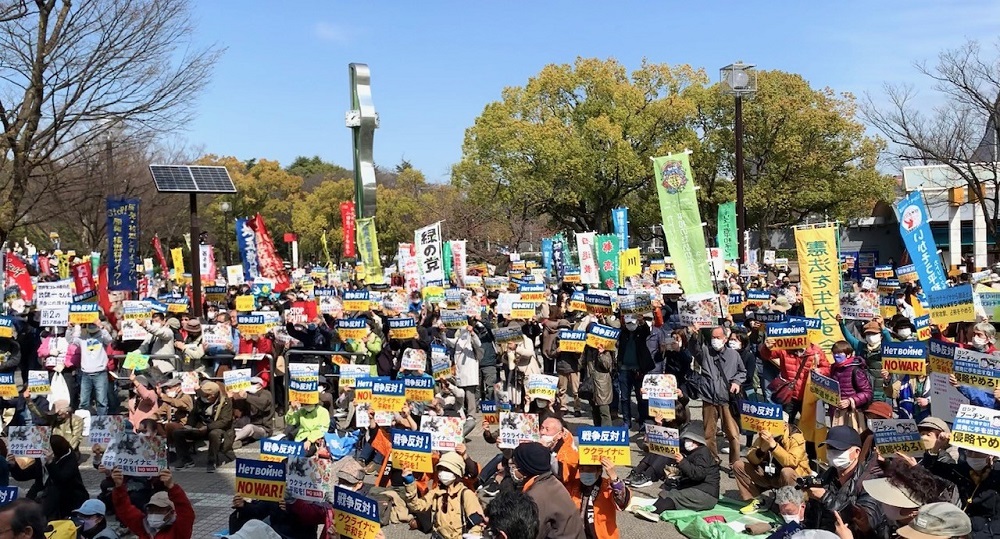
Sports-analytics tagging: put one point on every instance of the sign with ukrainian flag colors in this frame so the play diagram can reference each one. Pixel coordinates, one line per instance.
(251, 324)
(532, 293)
(355, 515)
(355, 329)
(279, 450)
(572, 340)
(521, 310)
(356, 300)
(402, 329)
(388, 396)
(419, 388)
(905, 357)
(260, 480)
(604, 442)
(955, 304)
(303, 383)
(542, 386)
(762, 417)
(600, 335)
(788, 336)
(597, 303)
(923, 326)
(977, 428)
(663, 441)
(411, 450)
(662, 408)
(825, 388)
(941, 356)
(84, 313)
(6, 327)
(976, 369)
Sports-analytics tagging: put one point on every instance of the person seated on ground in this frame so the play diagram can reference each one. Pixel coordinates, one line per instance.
(167, 515)
(140, 489)
(598, 498)
(790, 504)
(61, 420)
(978, 482)
(254, 411)
(307, 423)
(23, 519)
(144, 403)
(455, 510)
(697, 485)
(904, 488)
(838, 492)
(256, 529)
(938, 520)
(92, 522)
(285, 517)
(531, 471)
(554, 435)
(772, 462)
(511, 515)
(211, 419)
(58, 485)
(651, 468)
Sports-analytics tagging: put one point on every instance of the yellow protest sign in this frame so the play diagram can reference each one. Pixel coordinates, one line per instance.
(245, 304)
(630, 262)
(819, 271)
(178, 256)
(604, 442)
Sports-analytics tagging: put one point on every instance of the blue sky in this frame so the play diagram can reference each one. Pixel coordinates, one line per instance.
(281, 89)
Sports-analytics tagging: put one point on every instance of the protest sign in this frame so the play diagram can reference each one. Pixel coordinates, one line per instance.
(327, 301)
(105, 428)
(635, 305)
(862, 305)
(251, 325)
(541, 386)
(923, 327)
(38, 382)
(508, 335)
(189, 382)
(762, 417)
(770, 318)
(355, 515)
(825, 388)
(309, 479)
(140, 456)
(440, 362)
(445, 431)
(905, 357)
(788, 336)
(414, 359)
(52, 301)
(32, 441)
(135, 361)
(272, 450)
(758, 297)
(907, 274)
(236, 380)
(953, 304)
(572, 341)
(941, 356)
(402, 329)
(419, 388)
(491, 414)
(659, 386)
(350, 373)
(7, 388)
(978, 429)
(517, 428)
(245, 304)
(303, 382)
(896, 435)
(177, 305)
(457, 319)
(521, 310)
(604, 336)
(816, 247)
(597, 304)
(356, 300)
(884, 272)
(388, 396)
(662, 408)
(576, 302)
(604, 442)
(84, 313)
(663, 441)
(355, 329)
(700, 313)
(8, 495)
(945, 398)
(260, 480)
(976, 369)
(532, 293)
(411, 450)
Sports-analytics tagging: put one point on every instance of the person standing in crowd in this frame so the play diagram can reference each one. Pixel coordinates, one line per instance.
(722, 377)
(167, 515)
(190, 348)
(599, 363)
(531, 470)
(634, 362)
(90, 341)
(468, 350)
(488, 375)
(855, 388)
(791, 364)
(160, 338)
(58, 485)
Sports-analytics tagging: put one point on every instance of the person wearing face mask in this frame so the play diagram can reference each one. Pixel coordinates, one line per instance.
(160, 340)
(91, 341)
(531, 470)
(309, 422)
(254, 410)
(58, 485)
(772, 462)
(167, 515)
(554, 435)
(598, 364)
(935, 437)
(792, 364)
(210, 419)
(855, 388)
(722, 376)
(978, 483)
(840, 486)
(634, 362)
(455, 510)
(790, 503)
(92, 522)
(982, 338)
(599, 499)
(869, 349)
(740, 341)
(175, 406)
(697, 486)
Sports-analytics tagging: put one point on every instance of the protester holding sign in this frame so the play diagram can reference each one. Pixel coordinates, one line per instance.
(634, 362)
(455, 510)
(790, 386)
(599, 364)
(531, 470)
(168, 514)
(467, 351)
(90, 341)
(600, 494)
(210, 419)
(855, 387)
(58, 484)
(722, 377)
(772, 462)
(697, 486)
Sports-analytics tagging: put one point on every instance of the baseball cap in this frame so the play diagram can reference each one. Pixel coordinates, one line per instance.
(842, 437)
(92, 507)
(937, 520)
(934, 423)
(885, 492)
(161, 500)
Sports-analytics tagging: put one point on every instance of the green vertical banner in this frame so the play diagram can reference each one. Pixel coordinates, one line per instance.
(446, 256)
(682, 224)
(727, 234)
(607, 259)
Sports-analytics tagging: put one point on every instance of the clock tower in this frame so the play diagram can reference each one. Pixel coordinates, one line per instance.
(362, 120)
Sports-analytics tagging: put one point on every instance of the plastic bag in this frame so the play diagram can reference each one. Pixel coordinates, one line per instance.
(58, 390)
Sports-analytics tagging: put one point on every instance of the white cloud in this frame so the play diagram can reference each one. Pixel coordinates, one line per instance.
(333, 33)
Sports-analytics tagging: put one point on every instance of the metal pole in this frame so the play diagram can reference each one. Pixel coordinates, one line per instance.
(195, 257)
(741, 213)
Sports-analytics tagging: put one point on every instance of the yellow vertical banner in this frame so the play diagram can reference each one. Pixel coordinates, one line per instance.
(630, 263)
(178, 256)
(819, 273)
(368, 254)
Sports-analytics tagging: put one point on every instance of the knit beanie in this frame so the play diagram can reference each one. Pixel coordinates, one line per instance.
(532, 459)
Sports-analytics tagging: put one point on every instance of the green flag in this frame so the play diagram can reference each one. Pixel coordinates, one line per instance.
(607, 259)
(446, 255)
(682, 223)
(727, 235)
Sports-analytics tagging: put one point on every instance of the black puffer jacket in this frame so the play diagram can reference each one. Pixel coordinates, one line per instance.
(981, 500)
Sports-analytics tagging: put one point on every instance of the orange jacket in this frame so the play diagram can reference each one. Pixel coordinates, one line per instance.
(788, 364)
(568, 457)
(605, 508)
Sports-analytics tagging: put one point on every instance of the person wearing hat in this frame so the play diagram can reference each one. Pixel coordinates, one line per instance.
(253, 411)
(61, 420)
(175, 406)
(210, 419)
(254, 529)
(91, 521)
(978, 481)
(167, 515)
(939, 520)
(530, 468)
(869, 349)
(840, 485)
(455, 510)
(191, 349)
(697, 485)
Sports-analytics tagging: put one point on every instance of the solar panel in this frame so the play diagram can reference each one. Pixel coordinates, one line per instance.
(191, 179)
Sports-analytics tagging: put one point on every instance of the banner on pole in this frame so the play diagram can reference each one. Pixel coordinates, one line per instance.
(682, 223)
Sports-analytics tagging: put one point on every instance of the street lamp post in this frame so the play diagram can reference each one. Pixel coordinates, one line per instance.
(740, 80)
(225, 207)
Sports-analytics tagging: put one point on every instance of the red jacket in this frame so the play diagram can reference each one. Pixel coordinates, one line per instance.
(263, 345)
(788, 364)
(134, 519)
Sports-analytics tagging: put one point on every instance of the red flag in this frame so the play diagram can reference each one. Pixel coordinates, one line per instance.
(159, 256)
(103, 298)
(17, 274)
(82, 278)
(271, 265)
(43, 264)
(347, 223)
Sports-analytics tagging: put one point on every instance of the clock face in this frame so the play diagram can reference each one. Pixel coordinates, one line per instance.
(353, 118)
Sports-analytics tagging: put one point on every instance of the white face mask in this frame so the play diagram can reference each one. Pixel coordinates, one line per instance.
(873, 338)
(253, 389)
(979, 341)
(905, 333)
(839, 459)
(446, 478)
(690, 446)
(735, 345)
(546, 439)
(156, 521)
(631, 326)
(718, 344)
(977, 463)
(541, 403)
(155, 326)
(791, 518)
